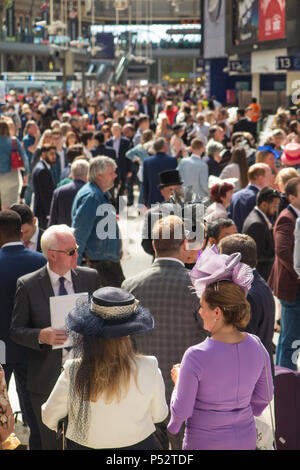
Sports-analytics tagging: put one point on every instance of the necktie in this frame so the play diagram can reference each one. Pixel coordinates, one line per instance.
(62, 289)
(27, 244)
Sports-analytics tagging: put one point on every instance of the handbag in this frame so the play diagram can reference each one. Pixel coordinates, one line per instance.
(16, 159)
(265, 433)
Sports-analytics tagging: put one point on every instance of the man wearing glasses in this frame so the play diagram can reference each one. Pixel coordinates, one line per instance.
(31, 323)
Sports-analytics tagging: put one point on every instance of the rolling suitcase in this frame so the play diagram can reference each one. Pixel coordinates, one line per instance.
(287, 408)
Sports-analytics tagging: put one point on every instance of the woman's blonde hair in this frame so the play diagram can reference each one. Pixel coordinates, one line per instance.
(284, 175)
(231, 299)
(105, 369)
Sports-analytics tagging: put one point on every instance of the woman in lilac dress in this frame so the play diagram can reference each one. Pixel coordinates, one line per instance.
(223, 382)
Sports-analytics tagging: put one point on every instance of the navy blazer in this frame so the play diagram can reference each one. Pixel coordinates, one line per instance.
(152, 166)
(256, 227)
(242, 203)
(261, 300)
(104, 150)
(44, 187)
(15, 261)
(62, 200)
(124, 164)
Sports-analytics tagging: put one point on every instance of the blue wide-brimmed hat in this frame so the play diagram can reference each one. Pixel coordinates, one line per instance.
(111, 313)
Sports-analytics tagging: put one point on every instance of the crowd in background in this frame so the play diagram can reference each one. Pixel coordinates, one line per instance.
(153, 144)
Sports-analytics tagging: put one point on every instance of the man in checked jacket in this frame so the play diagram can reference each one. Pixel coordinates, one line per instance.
(164, 289)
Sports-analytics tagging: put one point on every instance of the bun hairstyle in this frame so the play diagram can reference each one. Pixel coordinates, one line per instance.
(231, 299)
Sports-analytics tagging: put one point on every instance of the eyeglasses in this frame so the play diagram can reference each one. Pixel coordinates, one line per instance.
(69, 252)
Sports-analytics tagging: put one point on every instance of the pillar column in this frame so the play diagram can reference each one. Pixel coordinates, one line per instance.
(255, 86)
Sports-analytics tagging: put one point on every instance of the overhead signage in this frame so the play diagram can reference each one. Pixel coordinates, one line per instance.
(245, 22)
(287, 63)
(271, 20)
(184, 31)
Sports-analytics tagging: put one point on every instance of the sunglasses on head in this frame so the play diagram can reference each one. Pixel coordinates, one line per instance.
(68, 252)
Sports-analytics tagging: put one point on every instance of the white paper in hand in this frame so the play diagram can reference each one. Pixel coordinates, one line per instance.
(60, 306)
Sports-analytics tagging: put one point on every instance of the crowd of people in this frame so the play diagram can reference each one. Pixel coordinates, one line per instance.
(181, 355)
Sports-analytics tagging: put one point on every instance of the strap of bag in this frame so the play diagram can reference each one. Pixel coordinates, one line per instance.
(14, 144)
(268, 390)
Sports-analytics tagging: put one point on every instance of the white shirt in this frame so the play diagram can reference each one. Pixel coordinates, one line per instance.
(117, 424)
(116, 146)
(61, 155)
(54, 279)
(87, 153)
(34, 240)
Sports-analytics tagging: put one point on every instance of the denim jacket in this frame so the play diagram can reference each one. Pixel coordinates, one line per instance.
(5, 155)
(95, 223)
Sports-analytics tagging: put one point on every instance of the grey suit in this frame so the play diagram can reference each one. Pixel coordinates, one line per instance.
(164, 289)
(31, 314)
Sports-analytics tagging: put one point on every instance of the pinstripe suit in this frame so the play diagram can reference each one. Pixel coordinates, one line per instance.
(164, 290)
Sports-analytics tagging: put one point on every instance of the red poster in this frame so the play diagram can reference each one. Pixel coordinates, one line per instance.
(271, 23)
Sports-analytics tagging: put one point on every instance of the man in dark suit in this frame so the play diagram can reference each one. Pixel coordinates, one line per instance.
(145, 108)
(63, 197)
(154, 165)
(284, 280)
(258, 226)
(164, 290)
(43, 185)
(243, 201)
(102, 149)
(31, 322)
(16, 261)
(31, 233)
(120, 145)
(260, 296)
(244, 124)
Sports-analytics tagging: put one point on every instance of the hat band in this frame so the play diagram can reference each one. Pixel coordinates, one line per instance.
(116, 312)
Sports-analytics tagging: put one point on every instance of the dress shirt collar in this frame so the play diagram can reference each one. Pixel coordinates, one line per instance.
(265, 217)
(171, 259)
(34, 238)
(12, 244)
(296, 210)
(54, 277)
(47, 165)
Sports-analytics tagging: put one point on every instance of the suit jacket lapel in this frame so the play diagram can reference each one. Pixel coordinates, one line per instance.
(77, 285)
(46, 284)
(292, 211)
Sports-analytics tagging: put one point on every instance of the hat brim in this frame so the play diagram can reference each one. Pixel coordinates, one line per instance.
(288, 161)
(83, 321)
(175, 183)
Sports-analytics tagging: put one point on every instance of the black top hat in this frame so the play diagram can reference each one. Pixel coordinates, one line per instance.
(169, 178)
(111, 313)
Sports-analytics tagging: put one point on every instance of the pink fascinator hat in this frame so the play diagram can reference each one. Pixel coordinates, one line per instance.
(212, 267)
